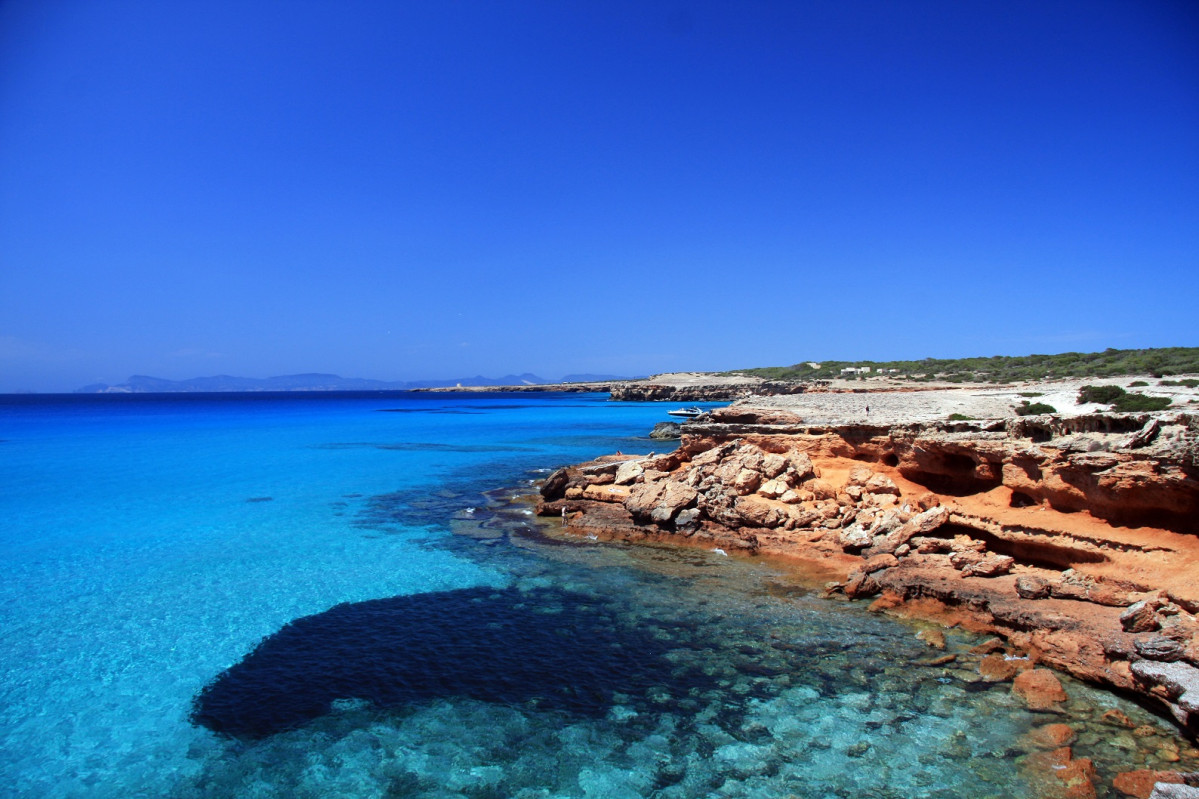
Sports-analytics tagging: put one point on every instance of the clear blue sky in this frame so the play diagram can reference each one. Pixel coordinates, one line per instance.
(405, 190)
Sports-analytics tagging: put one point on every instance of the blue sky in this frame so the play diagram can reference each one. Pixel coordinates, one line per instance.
(405, 190)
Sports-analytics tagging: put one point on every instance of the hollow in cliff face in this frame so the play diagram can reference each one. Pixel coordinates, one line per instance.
(952, 473)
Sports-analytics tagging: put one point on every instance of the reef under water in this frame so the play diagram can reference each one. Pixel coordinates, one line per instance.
(541, 647)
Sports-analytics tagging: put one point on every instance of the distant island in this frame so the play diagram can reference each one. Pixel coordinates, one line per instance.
(142, 384)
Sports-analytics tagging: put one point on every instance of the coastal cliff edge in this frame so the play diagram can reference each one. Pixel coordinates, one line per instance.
(1075, 539)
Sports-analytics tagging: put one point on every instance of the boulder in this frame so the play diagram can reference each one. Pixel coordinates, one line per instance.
(1030, 587)
(1176, 682)
(665, 431)
(1039, 688)
(1140, 783)
(799, 518)
(991, 565)
(854, 538)
(920, 524)
(773, 489)
(1159, 647)
(859, 476)
(747, 481)
(773, 465)
(881, 484)
(747, 456)
(887, 522)
(933, 637)
(821, 489)
(997, 668)
(1140, 617)
(1117, 718)
(987, 647)
(1077, 778)
(710, 457)
(861, 584)
(659, 501)
(628, 472)
(757, 512)
(879, 562)
(603, 493)
(963, 559)
(800, 465)
(927, 501)
(1049, 736)
(1169, 790)
(555, 485)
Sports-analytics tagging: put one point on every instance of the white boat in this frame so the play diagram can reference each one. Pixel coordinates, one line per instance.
(689, 413)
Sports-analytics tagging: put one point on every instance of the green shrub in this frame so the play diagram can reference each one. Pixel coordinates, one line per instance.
(1138, 384)
(1011, 369)
(1189, 382)
(1032, 393)
(959, 417)
(1105, 395)
(1027, 409)
(1140, 402)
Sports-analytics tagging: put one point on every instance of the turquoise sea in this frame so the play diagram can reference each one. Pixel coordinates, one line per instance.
(346, 595)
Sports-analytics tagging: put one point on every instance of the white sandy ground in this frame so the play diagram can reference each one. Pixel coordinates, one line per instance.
(890, 403)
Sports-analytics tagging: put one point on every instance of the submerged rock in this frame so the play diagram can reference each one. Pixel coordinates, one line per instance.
(1039, 688)
(556, 649)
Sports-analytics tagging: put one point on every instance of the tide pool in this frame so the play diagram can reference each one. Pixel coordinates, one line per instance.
(338, 595)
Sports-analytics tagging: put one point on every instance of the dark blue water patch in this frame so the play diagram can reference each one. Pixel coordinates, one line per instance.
(605, 444)
(482, 408)
(415, 507)
(423, 446)
(260, 499)
(418, 446)
(543, 648)
(448, 411)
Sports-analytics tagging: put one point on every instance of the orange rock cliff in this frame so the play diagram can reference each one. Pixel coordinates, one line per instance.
(1076, 539)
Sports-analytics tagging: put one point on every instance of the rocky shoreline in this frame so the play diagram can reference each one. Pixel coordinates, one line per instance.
(1073, 539)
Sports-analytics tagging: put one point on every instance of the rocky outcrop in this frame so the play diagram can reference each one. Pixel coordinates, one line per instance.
(1072, 539)
(666, 431)
(649, 391)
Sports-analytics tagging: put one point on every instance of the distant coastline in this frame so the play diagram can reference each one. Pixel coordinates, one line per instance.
(143, 384)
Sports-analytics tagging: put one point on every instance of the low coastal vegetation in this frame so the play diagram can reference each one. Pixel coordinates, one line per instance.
(1159, 362)
(1026, 408)
(1121, 400)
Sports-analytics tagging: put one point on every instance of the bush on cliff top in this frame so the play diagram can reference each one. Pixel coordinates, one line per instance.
(1140, 402)
(1032, 409)
(1006, 369)
(1104, 395)
(1121, 400)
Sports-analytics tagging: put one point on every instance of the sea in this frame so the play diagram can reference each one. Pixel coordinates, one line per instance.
(348, 595)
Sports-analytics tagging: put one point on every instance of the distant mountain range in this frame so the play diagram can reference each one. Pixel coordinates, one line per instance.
(142, 384)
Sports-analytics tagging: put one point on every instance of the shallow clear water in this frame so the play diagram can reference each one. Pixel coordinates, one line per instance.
(308, 595)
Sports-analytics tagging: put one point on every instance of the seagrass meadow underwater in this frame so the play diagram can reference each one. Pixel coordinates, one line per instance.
(316, 595)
